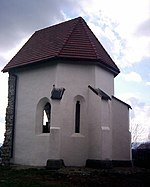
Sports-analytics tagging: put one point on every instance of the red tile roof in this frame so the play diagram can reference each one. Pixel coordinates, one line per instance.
(70, 40)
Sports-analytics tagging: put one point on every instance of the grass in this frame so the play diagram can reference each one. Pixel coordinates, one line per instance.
(74, 177)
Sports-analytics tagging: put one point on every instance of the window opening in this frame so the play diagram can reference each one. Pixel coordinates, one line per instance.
(57, 93)
(46, 118)
(77, 117)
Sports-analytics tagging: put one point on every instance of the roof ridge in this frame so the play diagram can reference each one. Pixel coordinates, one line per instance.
(92, 44)
(71, 31)
(55, 25)
(95, 49)
(72, 39)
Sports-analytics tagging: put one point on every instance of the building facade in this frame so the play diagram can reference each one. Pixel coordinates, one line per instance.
(61, 100)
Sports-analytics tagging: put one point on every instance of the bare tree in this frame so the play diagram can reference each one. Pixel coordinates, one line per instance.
(137, 132)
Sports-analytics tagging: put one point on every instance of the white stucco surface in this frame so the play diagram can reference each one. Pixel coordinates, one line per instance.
(104, 80)
(99, 134)
(120, 130)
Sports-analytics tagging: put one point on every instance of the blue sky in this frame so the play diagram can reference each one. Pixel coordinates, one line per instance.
(123, 28)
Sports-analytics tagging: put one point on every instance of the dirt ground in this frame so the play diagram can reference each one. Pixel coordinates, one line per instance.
(74, 177)
(118, 177)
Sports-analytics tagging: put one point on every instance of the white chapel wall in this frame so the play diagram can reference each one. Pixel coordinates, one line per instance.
(30, 147)
(75, 79)
(33, 147)
(120, 132)
(104, 80)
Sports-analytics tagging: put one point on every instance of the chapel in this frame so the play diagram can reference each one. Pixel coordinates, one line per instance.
(61, 103)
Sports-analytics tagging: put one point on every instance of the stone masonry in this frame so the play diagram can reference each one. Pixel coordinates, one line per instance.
(7, 150)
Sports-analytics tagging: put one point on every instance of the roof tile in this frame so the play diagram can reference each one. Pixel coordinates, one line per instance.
(70, 39)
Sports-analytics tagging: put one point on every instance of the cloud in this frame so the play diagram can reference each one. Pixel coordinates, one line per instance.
(20, 18)
(117, 28)
(8, 55)
(148, 83)
(132, 76)
(144, 28)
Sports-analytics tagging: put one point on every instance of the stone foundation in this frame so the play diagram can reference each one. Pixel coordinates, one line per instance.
(54, 164)
(7, 150)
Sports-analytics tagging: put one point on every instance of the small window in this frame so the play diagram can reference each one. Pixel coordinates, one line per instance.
(77, 117)
(46, 118)
(57, 93)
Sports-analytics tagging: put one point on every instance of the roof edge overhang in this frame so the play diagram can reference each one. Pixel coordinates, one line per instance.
(115, 71)
(122, 102)
(100, 93)
(98, 62)
(8, 68)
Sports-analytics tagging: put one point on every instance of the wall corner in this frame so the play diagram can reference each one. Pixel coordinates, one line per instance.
(7, 150)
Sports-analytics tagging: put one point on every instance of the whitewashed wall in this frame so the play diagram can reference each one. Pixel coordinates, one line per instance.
(120, 131)
(104, 80)
(32, 147)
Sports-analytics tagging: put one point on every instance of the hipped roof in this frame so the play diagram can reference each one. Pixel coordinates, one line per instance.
(72, 39)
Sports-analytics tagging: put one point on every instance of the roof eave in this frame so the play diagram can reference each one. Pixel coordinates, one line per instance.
(113, 70)
(122, 102)
(98, 62)
(9, 68)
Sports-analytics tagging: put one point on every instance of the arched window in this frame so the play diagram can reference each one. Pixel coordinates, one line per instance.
(80, 118)
(43, 116)
(77, 117)
(46, 118)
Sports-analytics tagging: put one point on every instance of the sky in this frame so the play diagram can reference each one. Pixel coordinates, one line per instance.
(122, 27)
